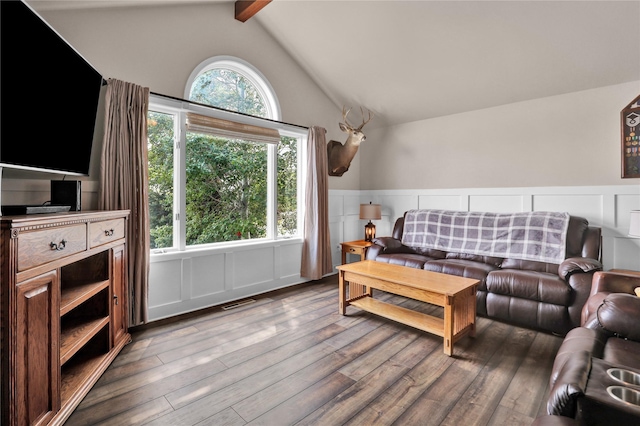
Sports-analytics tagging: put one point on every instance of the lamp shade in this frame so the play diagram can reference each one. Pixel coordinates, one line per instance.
(370, 211)
(634, 223)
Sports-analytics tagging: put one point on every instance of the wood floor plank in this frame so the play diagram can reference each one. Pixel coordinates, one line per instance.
(439, 398)
(228, 377)
(306, 402)
(529, 384)
(487, 389)
(355, 398)
(255, 405)
(226, 417)
(377, 356)
(200, 409)
(90, 412)
(139, 414)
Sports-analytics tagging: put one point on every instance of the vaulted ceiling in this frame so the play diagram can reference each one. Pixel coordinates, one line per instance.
(413, 60)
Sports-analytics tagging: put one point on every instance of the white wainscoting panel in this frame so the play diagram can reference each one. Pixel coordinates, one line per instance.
(181, 282)
(442, 202)
(165, 282)
(207, 275)
(589, 206)
(251, 267)
(497, 203)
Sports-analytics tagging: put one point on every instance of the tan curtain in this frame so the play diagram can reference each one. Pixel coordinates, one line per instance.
(124, 181)
(316, 248)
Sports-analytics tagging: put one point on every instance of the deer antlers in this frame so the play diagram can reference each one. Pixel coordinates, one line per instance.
(350, 126)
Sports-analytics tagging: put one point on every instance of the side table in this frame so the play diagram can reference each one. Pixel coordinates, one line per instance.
(358, 247)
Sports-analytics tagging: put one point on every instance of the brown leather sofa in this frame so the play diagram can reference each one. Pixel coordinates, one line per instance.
(608, 338)
(533, 294)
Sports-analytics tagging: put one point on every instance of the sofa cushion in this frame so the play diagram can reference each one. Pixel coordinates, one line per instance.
(404, 259)
(538, 286)
(432, 253)
(494, 261)
(529, 313)
(530, 265)
(462, 268)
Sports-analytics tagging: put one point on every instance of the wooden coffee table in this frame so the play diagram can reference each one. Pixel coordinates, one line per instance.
(457, 295)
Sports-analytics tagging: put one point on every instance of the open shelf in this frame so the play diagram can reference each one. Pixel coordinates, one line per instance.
(74, 296)
(398, 313)
(74, 337)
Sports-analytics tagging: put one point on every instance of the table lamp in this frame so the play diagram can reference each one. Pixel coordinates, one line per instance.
(634, 223)
(370, 212)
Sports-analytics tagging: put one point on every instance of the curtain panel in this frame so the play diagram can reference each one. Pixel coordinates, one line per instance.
(124, 181)
(316, 247)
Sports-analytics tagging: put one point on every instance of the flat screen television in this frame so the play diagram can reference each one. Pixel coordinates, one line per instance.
(49, 96)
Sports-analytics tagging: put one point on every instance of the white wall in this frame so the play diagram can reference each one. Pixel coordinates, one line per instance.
(568, 140)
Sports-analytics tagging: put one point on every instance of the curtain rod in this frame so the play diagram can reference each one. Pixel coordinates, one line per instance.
(226, 110)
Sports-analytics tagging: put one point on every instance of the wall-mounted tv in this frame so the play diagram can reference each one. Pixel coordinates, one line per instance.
(49, 96)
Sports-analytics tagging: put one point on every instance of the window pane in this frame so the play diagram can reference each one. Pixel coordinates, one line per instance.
(228, 89)
(287, 186)
(226, 189)
(160, 144)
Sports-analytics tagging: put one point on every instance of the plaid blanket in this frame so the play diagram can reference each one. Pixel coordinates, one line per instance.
(538, 236)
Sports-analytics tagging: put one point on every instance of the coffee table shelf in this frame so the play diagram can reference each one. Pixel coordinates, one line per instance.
(406, 316)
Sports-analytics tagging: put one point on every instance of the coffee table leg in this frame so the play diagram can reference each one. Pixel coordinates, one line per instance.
(342, 294)
(448, 327)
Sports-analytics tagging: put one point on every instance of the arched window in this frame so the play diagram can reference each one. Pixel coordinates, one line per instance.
(231, 83)
(228, 177)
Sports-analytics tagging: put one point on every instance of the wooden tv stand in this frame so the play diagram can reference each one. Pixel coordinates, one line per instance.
(63, 310)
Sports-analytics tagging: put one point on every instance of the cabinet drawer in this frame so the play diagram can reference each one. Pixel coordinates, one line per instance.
(105, 231)
(39, 247)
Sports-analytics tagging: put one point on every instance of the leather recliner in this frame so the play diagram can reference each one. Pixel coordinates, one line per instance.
(609, 337)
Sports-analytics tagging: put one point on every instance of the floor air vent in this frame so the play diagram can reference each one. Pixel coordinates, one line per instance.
(238, 304)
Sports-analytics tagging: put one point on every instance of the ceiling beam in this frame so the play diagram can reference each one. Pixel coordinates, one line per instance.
(245, 9)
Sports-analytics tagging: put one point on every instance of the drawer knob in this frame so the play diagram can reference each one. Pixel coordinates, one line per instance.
(58, 247)
(108, 232)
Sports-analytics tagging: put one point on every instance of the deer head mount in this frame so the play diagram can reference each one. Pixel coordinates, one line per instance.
(339, 155)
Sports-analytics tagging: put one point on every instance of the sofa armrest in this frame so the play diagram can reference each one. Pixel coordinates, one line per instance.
(386, 245)
(604, 284)
(574, 265)
(614, 282)
(619, 314)
(570, 385)
(389, 244)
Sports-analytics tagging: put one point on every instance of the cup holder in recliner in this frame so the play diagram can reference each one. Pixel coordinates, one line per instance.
(625, 376)
(625, 395)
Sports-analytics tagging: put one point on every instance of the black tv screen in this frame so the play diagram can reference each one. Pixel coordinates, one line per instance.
(49, 96)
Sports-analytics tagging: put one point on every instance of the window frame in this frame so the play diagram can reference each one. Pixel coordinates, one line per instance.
(179, 109)
(250, 72)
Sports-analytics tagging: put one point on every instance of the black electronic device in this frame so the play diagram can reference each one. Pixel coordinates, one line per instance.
(50, 96)
(67, 193)
(32, 209)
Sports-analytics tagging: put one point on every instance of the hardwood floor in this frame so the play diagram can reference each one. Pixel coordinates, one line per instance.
(290, 358)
